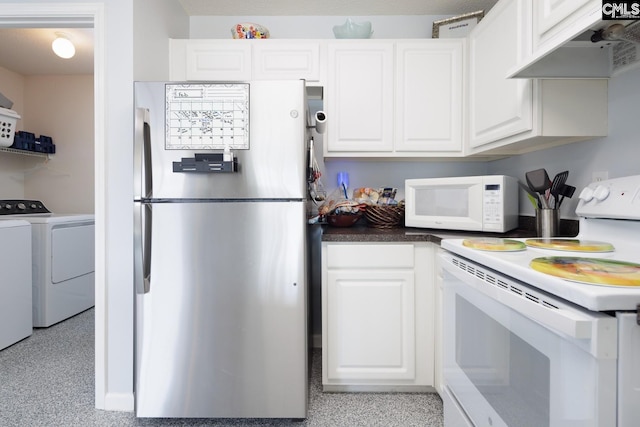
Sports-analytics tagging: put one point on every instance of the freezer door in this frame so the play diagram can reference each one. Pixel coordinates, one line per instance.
(221, 327)
(272, 167)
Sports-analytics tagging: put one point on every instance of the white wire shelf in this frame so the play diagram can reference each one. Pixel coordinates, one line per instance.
(25, 152)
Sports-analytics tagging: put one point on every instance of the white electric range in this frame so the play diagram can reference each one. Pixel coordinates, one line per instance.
(527, 341)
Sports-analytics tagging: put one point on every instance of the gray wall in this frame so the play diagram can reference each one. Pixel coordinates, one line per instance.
(618, 153)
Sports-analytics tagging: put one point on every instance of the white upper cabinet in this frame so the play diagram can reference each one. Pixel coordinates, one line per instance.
(558, 46)
(498, 107)
(394, 98)
(241, 60)
(220, 60)
(552, 18)
(513, 116)
(428, 113)
(359, 97)
(286, 59)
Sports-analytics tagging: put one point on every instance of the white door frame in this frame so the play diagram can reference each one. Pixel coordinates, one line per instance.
(26, 15)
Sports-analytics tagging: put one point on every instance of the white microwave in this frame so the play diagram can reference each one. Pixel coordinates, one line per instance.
(474, 203)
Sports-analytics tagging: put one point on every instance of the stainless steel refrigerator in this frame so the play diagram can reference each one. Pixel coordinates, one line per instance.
(220, 258)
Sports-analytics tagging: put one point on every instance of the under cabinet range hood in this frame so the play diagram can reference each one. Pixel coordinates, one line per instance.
(601, 50)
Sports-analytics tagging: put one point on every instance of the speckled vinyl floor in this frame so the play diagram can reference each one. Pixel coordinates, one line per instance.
(48, 380)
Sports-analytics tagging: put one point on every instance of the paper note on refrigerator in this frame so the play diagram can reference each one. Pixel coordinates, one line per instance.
(207, 116)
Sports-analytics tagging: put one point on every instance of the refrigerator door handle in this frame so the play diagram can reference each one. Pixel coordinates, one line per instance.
(142, 248)
(143, 187)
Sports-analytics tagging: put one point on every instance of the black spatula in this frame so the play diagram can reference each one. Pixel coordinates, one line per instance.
(538, 181)
(558, 181)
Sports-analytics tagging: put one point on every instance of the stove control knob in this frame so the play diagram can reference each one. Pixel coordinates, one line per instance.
(21, 206)
(586, 194)
(33, 206)
(601, 193)
(8, 206)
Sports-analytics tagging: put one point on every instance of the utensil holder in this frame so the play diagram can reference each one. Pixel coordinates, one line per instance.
(547, 222)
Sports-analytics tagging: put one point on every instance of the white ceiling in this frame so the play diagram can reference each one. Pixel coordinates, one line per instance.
(27, 51)
(333, 7)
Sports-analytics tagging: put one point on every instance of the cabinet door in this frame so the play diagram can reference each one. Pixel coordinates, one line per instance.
(359, 97)
(429, 95)
(218, 60)
(371, 325)
(498, 107)
(551, 17)
(286, 60)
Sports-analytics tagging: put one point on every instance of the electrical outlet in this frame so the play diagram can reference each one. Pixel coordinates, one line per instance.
(599, 176)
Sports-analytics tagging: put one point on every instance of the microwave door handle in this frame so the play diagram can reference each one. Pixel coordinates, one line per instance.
(142, 177)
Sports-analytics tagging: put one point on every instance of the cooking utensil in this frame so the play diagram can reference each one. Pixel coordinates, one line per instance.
(566, 190)
(558, 181)
(533, 197)
(538, 181)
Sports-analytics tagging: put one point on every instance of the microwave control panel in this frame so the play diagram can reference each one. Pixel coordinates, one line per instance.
(492, 209)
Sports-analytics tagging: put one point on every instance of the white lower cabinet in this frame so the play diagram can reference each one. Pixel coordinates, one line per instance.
(438, 336)
(377, 316)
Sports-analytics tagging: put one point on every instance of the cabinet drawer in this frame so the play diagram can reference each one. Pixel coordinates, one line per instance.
(369, 255)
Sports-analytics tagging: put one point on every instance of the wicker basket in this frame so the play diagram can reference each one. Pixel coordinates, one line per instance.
(385, 216)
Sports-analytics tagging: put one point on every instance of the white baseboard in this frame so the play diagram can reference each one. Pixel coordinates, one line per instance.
(123, 402)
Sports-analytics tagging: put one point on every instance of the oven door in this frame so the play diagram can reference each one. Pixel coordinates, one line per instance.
(514, 356)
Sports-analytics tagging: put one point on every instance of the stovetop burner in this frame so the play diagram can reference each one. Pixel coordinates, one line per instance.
(593, 271)
(494, 244)
(573, 245)
(22, 207)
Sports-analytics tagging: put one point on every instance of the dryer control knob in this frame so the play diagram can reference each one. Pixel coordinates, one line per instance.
(601, 193)
(586, 194)
(21, 206)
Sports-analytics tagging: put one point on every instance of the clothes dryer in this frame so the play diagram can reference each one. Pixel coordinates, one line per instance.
(63, 260)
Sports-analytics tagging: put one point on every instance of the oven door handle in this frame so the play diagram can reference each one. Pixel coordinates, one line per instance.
(552, 315)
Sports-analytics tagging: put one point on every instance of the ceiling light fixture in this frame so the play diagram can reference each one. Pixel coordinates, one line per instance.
(63, 47)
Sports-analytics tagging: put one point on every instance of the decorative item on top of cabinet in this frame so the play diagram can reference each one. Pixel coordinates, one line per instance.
(458, 26)
(377, 316)
(353, 30)
(513, 116)
(420, 115)
(248, 30)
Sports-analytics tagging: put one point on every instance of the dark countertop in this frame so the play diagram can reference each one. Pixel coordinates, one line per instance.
(362, 233)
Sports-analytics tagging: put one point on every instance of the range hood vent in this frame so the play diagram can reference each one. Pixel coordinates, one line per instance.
(601, 51)
(618, 32)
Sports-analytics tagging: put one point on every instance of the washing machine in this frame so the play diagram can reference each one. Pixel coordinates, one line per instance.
(16, 321)
(63, 260)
